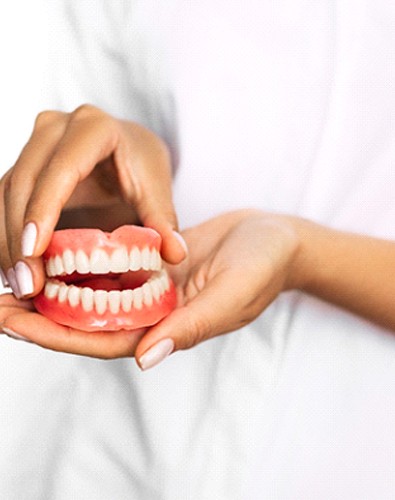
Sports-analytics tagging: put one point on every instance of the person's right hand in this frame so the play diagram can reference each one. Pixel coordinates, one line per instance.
(109, 171)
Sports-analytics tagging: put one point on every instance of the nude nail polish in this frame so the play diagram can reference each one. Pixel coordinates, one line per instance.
(156, 354)
(29, 237)
(24, 278)
(181, 241)
(14, 335)
(11, 277)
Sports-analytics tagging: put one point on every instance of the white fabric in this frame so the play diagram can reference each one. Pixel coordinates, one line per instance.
(287, 106)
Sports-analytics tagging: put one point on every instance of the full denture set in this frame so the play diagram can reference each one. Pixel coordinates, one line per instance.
(111, 281)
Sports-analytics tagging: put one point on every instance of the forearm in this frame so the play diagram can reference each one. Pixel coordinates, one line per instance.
(353, 271)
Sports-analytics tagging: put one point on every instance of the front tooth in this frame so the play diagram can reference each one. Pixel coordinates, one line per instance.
(145, 258)
(50, 267)
(147, 294)
(138, 298)
(99, 262)
(62, 294)
(127, 300)
(114, 301)
(68, 261)
(58, 265)
(73, 295)
(100, 298)
(135, 259)
(82, 262)
(87, 299)
(51, 289)
(155, 289)
(119, 261)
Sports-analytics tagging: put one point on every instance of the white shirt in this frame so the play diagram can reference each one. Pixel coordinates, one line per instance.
(285, 106)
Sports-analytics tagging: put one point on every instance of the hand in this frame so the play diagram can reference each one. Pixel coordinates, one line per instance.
(238, 264)
(97, 168)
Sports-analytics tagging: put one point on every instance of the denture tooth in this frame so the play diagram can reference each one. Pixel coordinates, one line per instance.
(68, 261)
(99, 262)
(100, 299)
(51, 289)
(154, 260)
(147, 294)
(82, 262)
(58, 265)
(87, 299)
(145, 258)
(127, 300)
(160, 285)
(138, 298)
(155, 289)
(73, 295)
(50, 267)
(114, 301)
(119, 261)
(135, 259)
(62, 294)
(165, 280)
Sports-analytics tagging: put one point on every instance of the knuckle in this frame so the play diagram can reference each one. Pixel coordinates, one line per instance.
(85, 111)
(47, 118)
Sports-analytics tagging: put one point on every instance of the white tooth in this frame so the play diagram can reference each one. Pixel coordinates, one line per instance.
(158, 265)
(87, 299)
(99, 262)
(62, 294)
(68, 261)
(161, 286)
(51, 289)
(135, 259)
(82, 262)
(58, 264)
(165, 280)
(114, 301)
(147, 294)
(119, 261)
(100, 298)
(50, 267)
(73, 295)
(145, 258)
(153, 260)
(138, 298)
(127, 300)
(155, 289)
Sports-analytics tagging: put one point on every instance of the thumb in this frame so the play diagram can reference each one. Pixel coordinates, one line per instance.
(213, 311)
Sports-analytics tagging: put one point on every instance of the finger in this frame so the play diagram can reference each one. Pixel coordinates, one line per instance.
(16, 189)
(91, 136)
(217, 309)
(146, 183)
(45, 333)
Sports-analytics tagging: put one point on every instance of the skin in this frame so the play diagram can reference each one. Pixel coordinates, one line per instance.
(238, 263)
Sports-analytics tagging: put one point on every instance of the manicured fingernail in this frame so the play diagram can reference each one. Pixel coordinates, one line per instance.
(156, 354)
(181, 241)
(13, 282)
(24, 278)
(3, 278)
(15, 335)
(29, 237)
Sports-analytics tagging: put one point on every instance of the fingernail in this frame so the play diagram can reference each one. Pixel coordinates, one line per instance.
(3, 278)
(24, 278)
(29, 237)
(13, 282)
(14, 335)
(181, 241)
(156, 354)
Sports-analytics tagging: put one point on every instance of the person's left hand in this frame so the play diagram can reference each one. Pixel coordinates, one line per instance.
(238, 263)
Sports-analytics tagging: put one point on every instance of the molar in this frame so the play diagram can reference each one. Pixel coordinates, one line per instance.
(51, 289)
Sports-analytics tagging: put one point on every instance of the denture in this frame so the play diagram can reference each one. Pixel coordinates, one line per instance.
(106, 281)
